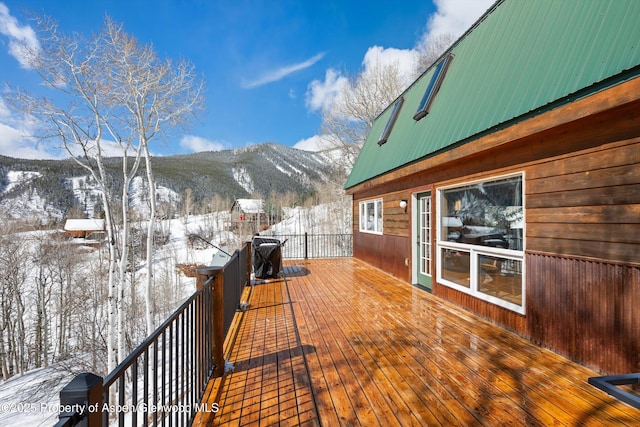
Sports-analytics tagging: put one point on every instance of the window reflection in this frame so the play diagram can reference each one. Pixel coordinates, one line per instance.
(485, 213)
(481, 240)
(371, 216)
(500, 278)
(455, 266)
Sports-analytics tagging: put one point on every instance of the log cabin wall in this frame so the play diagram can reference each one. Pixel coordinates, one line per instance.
(390, 251)
(582, 213)
(583, 236)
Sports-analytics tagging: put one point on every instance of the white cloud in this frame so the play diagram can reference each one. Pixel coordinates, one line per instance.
(453, 17)
(20, 36)
(403, 59)
(5, 114)
(15, 143)
(196, 144)
(325, 95)
(280, 73)
(315, 143)
(321, 95)
(15, 139)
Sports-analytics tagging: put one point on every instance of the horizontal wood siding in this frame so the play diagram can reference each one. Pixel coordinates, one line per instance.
(586, 204)
(390, 250)
(585, 309)
(582, 211)
(396, 219)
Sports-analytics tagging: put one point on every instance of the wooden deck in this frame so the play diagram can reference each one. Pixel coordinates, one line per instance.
(338, 342)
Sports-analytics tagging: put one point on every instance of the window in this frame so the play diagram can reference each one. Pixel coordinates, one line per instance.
(371, 216)
(392, 119)
(481, 240)
(433, 87)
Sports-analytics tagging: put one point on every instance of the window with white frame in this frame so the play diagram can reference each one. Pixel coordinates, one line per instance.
(371, 216)
(481, 240)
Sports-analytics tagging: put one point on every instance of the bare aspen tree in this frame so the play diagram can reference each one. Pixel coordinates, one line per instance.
(72, 67)
(13, 356)
(430, 50)
(116, 92)
(154, 94)
(348, 121)
(43, 253)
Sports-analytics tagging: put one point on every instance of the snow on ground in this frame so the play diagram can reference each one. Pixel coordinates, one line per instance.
(139, 198)
(28, 203)
(32, 399)
(86, 192)
(242, 177)
(16, 178)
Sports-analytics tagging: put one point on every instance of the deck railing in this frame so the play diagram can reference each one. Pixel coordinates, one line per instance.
(305, 246)
(163, 380)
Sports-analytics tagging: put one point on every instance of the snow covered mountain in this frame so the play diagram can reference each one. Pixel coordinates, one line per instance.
(46, 190)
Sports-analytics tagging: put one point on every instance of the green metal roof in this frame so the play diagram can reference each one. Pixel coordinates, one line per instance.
(520, 57)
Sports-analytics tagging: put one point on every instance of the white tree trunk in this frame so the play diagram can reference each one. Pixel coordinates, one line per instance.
(123, 262)
(151, 228)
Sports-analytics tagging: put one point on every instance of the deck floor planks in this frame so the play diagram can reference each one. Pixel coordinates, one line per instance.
(343, 369)
(564, 412)
(521, 358)
(378, 348)
(394, 346)
(462, 361)
(351, 345)
(330, 365)
(368, 388)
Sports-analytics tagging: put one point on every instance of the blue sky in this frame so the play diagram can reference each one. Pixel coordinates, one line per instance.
(259, 59)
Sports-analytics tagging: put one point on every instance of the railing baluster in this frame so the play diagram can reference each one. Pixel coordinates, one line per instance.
(121, 394)
(134, 392)
(192, 355)
(169, 398)
(176, 362)
(145, 399)
(155, 384)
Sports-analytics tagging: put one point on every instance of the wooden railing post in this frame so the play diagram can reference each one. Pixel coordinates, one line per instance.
(217, 313)
(249, 261)
(218, 324)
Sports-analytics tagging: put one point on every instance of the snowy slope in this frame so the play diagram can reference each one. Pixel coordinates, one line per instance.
(31, 400)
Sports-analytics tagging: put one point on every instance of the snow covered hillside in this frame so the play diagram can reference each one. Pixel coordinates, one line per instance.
(21, 200)
(44, 191)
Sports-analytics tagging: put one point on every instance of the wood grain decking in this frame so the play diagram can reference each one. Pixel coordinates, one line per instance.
(338, 342)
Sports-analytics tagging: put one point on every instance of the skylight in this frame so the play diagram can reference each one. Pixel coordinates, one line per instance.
(433, 87)
(392, 119)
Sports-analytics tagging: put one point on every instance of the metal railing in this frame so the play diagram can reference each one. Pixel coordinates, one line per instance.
(163, 380)
(305, 246)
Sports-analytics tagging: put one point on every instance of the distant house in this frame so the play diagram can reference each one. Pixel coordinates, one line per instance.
(83, 227)
(248, 211)
(506, 178)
